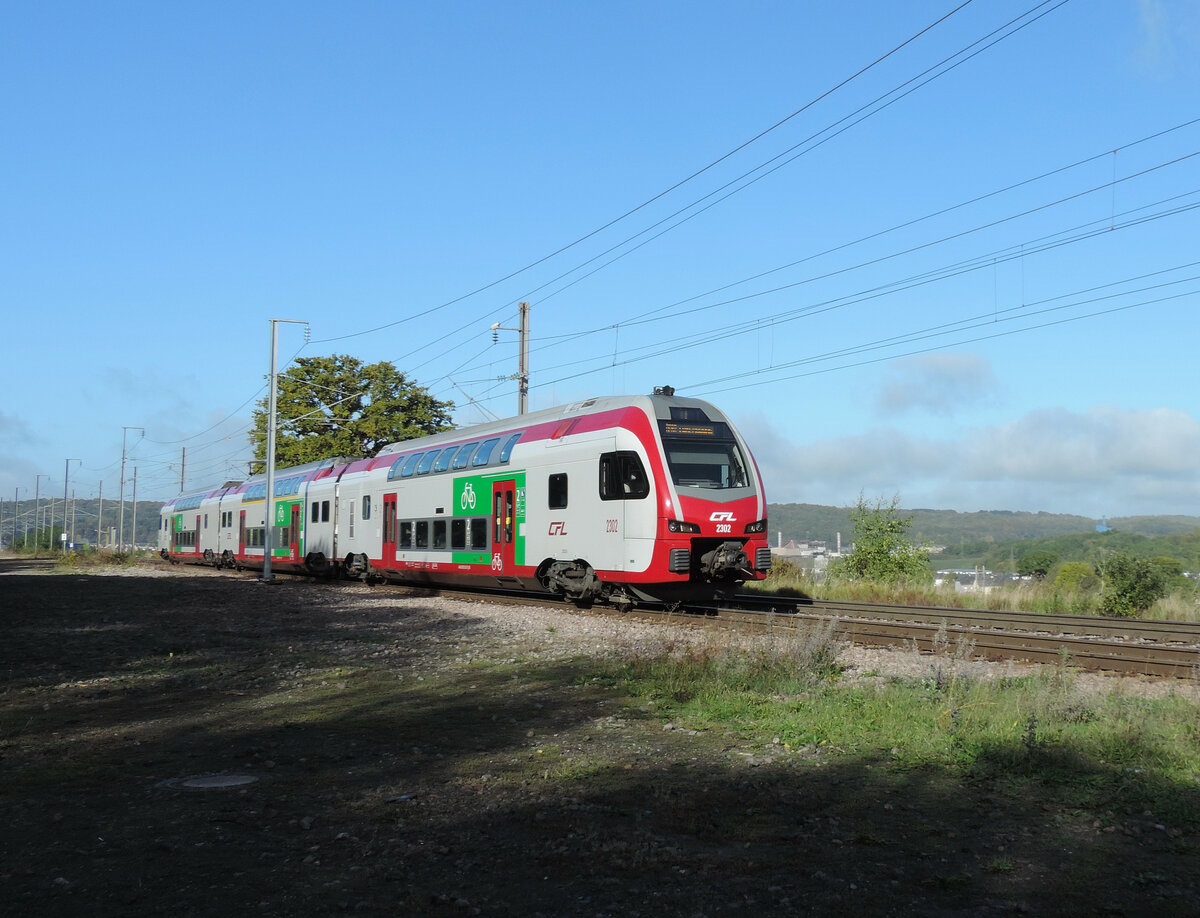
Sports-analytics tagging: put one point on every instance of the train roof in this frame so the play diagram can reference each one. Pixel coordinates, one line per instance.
(656, 405)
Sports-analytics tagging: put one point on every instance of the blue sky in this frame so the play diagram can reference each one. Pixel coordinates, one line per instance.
(954, 259)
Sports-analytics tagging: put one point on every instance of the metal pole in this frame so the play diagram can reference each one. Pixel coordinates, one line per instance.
(100, 520)
(523, 370)
(66, 479)
(134, 538)
(16, 507)
(182, 470)
(37, 509)
(121, 515)
(269, 520)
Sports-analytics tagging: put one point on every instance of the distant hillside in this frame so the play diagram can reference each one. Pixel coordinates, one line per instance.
(954, 529)
(83, 519)
(1090, 548)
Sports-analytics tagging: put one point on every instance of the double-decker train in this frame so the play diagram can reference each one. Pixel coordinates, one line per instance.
(615, 499)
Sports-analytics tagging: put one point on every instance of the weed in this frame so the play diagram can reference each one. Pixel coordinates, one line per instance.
(999, 865)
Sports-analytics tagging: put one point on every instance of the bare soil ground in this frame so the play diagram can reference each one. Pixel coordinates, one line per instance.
(421, 756)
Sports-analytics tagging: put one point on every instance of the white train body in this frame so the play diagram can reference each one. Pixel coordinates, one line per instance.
(614, 498)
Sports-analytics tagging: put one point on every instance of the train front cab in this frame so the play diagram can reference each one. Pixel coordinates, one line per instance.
(712, 510)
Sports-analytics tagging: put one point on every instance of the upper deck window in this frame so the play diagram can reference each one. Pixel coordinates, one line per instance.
(508, 447)
(464, 455)
(410, 465)
(485, 451)
(443, 460)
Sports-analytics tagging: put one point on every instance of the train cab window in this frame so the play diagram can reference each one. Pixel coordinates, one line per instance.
(458, 534)
(479, 533)
(206, 521)
(426, 462)
(324, 511)
(366, 507)
(316, 512)
(506, 452)
(443, 459)
(439, 534)
(623, 477)
(422, 536)
(406, 534)
(410, 465)
(485, 451)
(464, 455)
(557, 491)
(710, 464)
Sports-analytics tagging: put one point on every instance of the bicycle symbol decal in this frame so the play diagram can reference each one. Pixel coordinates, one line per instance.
(497, 562)
(467, 501)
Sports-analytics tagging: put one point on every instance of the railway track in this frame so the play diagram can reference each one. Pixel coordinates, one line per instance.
(1126, 646)
(1129, 647)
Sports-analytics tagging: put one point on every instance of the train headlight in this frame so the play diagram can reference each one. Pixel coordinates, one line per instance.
(680, 526)
(760, 526)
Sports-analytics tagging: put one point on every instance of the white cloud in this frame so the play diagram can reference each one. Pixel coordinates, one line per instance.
(1106, 460)
(938, 383)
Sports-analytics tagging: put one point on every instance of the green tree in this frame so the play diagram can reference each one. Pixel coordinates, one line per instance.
(882, 549)
(1036, 564)
(1129, 585)
(336, 406)
(1074, 576)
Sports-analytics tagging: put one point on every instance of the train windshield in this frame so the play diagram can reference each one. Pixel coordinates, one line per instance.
(712, 464)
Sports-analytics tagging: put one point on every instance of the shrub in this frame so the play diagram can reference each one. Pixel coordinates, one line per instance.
(1075, 575)
(882, 550)
(1130, 585)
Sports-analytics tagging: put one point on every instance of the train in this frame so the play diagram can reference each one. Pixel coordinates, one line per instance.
(622, 500)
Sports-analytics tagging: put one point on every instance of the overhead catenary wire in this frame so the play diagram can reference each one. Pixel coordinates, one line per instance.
(679, 184)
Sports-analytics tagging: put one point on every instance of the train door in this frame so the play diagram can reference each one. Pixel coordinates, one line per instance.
(504, 526)
(389, 528)
(294, 532)
(196, 549)
(241, 552)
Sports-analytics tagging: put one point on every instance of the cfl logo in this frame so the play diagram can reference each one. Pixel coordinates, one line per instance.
(558, 528)
(722, 518)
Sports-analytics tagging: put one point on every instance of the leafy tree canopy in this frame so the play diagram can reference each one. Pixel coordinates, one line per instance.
(1075, 575)
(882, 550)
(1036, 563)
(337, 406)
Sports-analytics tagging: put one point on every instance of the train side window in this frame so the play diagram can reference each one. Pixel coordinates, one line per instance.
(623, 477)
(206, 521)
(439, 534)
(464, 455)
(324, 511)
(316, 513)
(443, 460)
(479, 532)
(485, 451)
(410, 465)
(406, 534)
(458, 534)
(427, 462)
(422, 539)
(366, 507)
(508, 448)
(557, 490)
